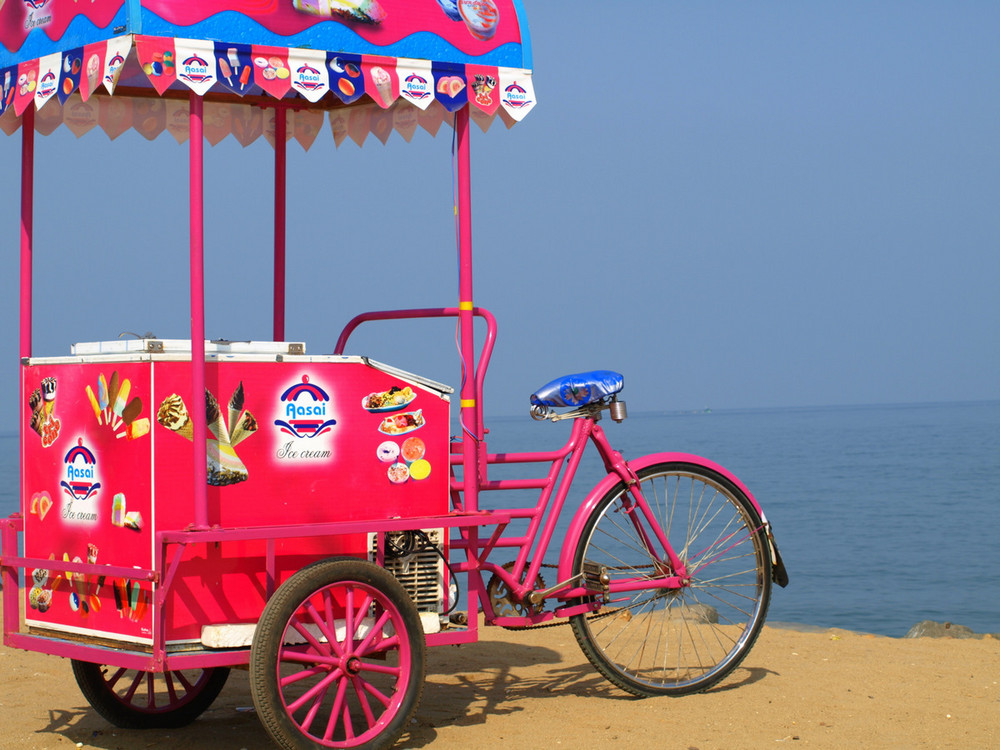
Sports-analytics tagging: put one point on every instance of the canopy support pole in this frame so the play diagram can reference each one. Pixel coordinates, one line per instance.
(473, 449)
(280, 165)
(196, 143)
(27, 225)
(24, 346)
(472, 437)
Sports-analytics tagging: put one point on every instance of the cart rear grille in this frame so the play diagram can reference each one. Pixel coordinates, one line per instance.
(421, 572)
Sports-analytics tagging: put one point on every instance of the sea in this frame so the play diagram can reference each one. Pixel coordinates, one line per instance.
(885, 515)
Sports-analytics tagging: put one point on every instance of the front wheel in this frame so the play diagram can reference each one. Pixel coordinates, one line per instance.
(337, 658)
(134, 699)
(662, 641)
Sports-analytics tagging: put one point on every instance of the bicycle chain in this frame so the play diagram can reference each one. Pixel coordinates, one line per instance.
(561, 623)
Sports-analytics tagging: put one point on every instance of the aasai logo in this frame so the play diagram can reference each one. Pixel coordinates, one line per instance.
(308, 78)
(195, 70)
(515, 96)
(47, 84)
(114, 66)
(416, 87)
(35, 4)
(80, 480)
(305, 408)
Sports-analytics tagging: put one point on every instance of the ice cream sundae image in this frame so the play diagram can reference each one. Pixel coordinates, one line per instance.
(450, 8)
(383, 83)
(42, 404)
(483, 87)
(480, 16)
(360, 11)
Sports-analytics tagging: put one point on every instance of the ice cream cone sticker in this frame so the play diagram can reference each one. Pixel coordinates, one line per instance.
(224, 466)
(42, 404)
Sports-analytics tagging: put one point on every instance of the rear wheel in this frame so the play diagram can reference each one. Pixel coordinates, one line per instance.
(659, 641)
(133, 699)
(338, 658)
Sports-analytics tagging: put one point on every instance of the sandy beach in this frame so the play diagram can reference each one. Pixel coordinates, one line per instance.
(534, 689)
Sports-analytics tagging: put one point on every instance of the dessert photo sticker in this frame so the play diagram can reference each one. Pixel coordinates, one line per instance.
(403, 457)
(42, 409)
(117, 407)
(369, 12)
(41, 504)
(224, 433)
(404, 460)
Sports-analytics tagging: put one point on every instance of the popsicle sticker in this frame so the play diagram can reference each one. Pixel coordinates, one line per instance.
(117, 407)
(235, 67)
(120, 402)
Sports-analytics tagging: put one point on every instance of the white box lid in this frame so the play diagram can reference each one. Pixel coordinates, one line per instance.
(183, 346)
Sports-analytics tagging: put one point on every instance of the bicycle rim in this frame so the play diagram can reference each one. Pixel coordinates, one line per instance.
(659, 641)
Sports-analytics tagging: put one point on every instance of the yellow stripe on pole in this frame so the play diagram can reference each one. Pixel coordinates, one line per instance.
(468, 403)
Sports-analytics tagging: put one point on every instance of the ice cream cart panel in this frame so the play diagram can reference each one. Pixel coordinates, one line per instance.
(292, 440)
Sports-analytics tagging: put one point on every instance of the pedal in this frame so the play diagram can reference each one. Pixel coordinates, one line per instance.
(595, 577)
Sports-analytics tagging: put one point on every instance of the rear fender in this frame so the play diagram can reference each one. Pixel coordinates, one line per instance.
(579, 521)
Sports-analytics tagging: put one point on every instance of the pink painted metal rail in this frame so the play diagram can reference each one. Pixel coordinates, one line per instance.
(158, 658)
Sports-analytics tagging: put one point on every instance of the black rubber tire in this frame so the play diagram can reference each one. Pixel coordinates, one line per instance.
(330, 583)
(130, 708)
(677, 642)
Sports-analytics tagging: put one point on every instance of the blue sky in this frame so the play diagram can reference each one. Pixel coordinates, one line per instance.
(735, 205)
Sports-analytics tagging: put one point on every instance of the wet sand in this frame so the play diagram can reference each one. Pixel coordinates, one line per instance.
(825, 689)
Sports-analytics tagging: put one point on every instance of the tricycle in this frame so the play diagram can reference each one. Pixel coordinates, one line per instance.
(193, 506)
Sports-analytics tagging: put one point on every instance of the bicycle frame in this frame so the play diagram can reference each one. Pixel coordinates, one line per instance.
(543, 517)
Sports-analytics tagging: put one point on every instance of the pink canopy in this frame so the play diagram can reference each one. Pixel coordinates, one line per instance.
(121, 64)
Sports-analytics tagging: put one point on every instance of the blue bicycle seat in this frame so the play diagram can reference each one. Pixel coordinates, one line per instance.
(580, 389)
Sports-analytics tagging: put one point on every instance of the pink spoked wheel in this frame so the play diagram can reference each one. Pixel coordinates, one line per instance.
(134, 699)
(338, 658)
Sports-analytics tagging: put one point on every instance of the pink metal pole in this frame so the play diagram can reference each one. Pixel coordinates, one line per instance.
(27, 224)
(197, 214)
(279, 222)
(469, 405)
(11, 605)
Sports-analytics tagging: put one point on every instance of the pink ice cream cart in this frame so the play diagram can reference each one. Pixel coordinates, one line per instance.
(190, 506)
